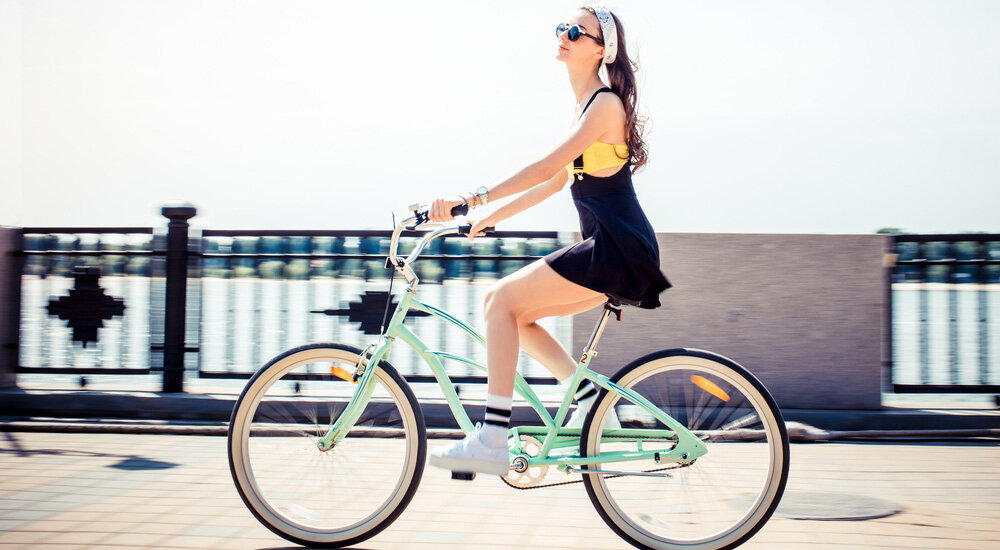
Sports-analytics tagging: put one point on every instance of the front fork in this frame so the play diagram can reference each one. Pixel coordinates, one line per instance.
(365, 374)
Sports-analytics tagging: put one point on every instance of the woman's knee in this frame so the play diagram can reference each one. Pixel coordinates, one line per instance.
(525, 320)
(528, 317)
(498, 299)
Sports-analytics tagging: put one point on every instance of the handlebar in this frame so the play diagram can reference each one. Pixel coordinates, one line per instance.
(464, 229)
(421, 220)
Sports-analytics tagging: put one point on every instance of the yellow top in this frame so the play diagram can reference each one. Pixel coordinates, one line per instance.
(599, 156)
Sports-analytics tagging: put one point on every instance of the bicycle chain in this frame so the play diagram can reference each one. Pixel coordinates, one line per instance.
(673, 467)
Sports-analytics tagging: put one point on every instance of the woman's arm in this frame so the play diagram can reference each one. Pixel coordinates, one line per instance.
(524, 201)
(531, 197)
(605, 112)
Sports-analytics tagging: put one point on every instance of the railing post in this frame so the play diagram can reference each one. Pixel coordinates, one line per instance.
(176, 294)
(11, 262)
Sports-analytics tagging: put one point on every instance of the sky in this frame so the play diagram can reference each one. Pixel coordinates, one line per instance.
(765, 117)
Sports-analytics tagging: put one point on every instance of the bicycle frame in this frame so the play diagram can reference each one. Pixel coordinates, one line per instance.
(687, 448)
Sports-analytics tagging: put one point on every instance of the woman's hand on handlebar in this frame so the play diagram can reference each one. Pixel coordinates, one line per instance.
(478, 225)
(440, 210)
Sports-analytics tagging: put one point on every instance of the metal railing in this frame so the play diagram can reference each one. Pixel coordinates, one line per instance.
(311, 281)
(228, 300)
(134, 300)
(58, 300)
(944, 289)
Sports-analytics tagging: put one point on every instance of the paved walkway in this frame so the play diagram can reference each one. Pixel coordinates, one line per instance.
(65, 491)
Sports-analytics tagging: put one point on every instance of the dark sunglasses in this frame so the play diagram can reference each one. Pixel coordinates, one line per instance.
(574, 33)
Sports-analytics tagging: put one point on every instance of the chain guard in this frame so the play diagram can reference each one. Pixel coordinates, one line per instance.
(580, 480)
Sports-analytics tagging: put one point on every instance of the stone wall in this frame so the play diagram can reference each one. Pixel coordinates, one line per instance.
(804, 313)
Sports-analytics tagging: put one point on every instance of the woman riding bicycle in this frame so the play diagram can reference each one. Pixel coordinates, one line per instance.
(618, 257)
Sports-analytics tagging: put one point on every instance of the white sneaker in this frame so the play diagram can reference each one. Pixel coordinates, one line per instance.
(580, 414)
(474, 453)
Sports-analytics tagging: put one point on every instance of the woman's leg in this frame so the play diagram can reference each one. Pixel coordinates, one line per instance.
(541, 345)
(533, 287)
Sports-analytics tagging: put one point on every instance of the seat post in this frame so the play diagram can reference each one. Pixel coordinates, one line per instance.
(601, 323)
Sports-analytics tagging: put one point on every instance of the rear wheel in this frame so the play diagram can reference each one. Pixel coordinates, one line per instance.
(336, 497)
(720, 499)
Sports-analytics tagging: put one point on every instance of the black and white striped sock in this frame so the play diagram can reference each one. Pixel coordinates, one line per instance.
(587, 391)
(498, 411)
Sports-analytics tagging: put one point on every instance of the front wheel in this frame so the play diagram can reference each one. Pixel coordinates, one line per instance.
(325, 498)
(718, 500)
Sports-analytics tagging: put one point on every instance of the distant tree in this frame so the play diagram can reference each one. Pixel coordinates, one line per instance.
(890, 231)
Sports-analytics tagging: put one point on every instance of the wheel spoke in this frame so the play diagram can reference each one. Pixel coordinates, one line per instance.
(346, 493)
(703, 503)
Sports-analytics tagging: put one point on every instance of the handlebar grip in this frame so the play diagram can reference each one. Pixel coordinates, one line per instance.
(464, 229)
(460, 210)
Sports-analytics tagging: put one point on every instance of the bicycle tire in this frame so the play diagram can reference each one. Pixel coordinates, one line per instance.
(390, 435)
(719, 500)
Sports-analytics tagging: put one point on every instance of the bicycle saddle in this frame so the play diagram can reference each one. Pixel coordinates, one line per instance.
(616, 302)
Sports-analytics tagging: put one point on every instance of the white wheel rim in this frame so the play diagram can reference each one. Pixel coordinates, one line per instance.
(751, 517)
(252, 491)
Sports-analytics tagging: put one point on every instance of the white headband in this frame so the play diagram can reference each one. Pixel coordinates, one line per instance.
(609, 31)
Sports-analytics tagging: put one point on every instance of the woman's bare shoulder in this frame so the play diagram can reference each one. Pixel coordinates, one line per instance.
(606, 103)
(608, 112)
(609, 103)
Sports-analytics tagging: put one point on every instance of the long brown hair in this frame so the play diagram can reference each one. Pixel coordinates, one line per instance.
(621, 74)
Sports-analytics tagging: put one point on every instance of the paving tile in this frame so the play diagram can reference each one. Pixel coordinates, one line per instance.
(219, 531)
(135, 539)
(157, 528)
(23, 537)
(76, 537)
(275, 541)
(104, 527)
(79, 499)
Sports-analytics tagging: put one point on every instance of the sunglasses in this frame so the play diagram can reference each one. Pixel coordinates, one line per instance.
(574, 33)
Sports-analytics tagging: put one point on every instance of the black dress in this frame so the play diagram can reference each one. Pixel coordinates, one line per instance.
(619, 255)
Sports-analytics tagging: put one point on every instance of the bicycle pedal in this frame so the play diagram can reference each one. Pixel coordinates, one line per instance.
(464, 476)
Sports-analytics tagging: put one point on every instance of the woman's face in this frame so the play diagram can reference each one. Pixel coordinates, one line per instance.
(584, 48)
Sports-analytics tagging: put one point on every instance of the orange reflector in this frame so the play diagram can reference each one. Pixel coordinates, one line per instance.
(342, 374)
(710, 387)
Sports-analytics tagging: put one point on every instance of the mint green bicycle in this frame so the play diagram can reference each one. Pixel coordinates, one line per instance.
(327, 441)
